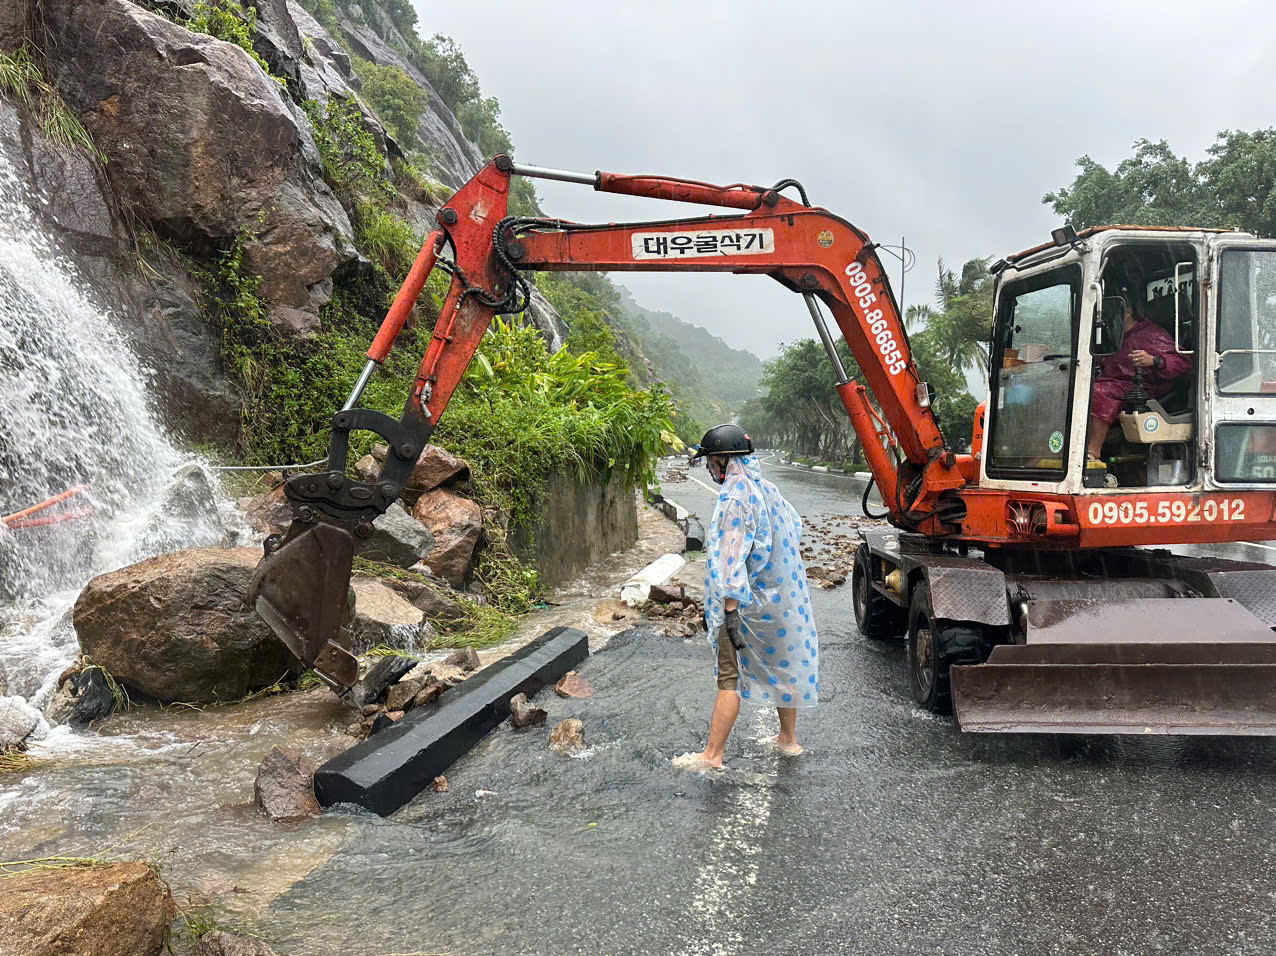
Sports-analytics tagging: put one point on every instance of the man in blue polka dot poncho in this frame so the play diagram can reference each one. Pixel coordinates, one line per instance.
(757, 599)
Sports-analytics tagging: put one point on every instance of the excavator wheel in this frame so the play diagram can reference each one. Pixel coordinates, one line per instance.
(875, 615)
(934, 646)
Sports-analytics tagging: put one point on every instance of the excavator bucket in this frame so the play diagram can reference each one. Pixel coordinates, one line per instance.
(1156, 666)
(300, 590)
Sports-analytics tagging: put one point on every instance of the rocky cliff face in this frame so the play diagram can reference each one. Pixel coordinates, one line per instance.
(204, 149)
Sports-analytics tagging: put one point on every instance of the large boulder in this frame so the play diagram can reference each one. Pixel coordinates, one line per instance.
(179, 627)
(457, 525)
(434, 467)
(398, 538)
(15, 24)
(382, 616)
(123, 909)
(204, 145)
(278, 43)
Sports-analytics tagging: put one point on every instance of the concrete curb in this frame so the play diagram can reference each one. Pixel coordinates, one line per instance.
(690, 525)
(635, 590)
(388, 769)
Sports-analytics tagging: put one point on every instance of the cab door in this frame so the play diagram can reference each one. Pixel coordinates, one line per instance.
(1238, 447)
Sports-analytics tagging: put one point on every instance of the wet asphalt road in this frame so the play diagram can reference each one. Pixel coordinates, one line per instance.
(893, 834)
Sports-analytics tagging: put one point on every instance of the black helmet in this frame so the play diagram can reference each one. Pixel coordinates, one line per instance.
(724, 440)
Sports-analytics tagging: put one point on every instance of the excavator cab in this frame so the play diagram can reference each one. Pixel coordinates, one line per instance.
(1097, 636)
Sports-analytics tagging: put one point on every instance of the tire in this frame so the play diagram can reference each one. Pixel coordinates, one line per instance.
(934, 646)
(877, 617)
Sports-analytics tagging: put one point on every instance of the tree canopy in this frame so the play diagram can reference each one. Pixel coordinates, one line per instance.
(1232, 187)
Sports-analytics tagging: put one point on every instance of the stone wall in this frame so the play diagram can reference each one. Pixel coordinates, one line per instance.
(579, 525)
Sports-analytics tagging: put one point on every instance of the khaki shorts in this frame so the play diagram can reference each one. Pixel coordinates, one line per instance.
(728, 671)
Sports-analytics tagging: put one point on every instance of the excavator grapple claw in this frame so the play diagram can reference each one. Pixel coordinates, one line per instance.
(300, 589)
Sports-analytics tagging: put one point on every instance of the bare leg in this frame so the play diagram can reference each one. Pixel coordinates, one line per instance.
(1098, 433)
(725, 710)
(786, 740)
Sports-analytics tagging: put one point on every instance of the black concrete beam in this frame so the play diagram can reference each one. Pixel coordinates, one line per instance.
(388, 769)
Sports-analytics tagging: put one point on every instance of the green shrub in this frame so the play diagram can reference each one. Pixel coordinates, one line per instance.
(353, 164)
(231, 21)
(395, 96)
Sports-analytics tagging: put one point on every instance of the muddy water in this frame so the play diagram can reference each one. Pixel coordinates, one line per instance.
(893, 834)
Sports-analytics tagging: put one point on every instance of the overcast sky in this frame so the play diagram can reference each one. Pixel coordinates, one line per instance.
(941, 122)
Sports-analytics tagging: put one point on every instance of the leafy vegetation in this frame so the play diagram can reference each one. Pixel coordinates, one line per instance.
(395, 96)
(231, 21)
(22, 80)
(1235, 186)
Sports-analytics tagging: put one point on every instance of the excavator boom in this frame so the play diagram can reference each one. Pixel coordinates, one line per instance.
(1009, 612)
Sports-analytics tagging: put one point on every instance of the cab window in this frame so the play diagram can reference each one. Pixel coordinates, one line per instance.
(1031, 382)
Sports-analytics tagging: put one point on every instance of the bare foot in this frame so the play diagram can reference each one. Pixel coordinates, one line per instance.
(697, 761)
(790, 748)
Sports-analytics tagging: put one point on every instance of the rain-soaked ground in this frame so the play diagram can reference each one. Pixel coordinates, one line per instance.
(893, 834)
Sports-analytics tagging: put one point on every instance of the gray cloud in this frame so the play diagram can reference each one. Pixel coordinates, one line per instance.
(941, 122)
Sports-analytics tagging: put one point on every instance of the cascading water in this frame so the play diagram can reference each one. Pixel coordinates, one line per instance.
(73, 411)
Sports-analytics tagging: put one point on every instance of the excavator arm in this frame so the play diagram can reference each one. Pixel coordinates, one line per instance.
(300, 587)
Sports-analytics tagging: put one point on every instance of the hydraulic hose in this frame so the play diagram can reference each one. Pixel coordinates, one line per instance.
(864, 501)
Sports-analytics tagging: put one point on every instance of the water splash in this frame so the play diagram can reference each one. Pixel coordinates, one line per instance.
(75, 411)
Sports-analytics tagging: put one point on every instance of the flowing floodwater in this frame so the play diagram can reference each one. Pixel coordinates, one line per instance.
(73, 412)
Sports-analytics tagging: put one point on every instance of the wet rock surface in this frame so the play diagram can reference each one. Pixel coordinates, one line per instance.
(218, 943)
(398, 538)
(178, 627)
(573, 685)
(382, 616)
(523, 713)
(434, 467)
(83, 699)
(20, 723)
(284, 788)
(206, 152)
(122, 909)
(568, 736)
(457, 525)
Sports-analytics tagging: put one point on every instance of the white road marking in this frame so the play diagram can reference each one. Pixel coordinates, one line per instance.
(712, 491)
(730, 869)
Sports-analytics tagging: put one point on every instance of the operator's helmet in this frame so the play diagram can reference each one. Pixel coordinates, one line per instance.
(724, 440)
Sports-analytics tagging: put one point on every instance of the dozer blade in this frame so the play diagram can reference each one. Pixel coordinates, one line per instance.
(1195, 666)
(300, 591)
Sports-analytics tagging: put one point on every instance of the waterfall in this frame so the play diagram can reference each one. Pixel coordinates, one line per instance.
(73, 411)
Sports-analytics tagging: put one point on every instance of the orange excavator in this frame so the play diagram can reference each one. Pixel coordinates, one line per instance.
(1023, 573)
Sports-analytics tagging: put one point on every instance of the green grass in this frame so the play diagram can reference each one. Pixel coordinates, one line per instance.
(15, 761)
(22, 79)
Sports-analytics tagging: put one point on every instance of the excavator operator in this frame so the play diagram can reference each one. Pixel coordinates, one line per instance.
(1144, 345)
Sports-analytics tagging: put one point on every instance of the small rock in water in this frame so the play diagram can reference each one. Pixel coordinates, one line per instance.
(20, 723)
(569, 735)
(465, 658)
(440, 784)
(284, 789)
(573, 685)
(84, 698)
(218, 943)
(484, 793)
(525, 714)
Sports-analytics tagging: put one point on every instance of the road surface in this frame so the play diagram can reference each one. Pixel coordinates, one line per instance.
(893, 834)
